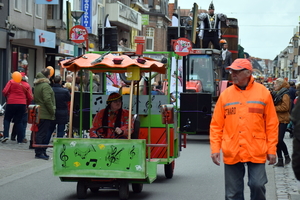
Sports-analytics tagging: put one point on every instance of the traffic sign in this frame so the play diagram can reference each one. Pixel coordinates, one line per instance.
(182, 46)
(78, 34)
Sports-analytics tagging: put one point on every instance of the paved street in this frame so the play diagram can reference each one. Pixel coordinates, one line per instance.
(18, 157)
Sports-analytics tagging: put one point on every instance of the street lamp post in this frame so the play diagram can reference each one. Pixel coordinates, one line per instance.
(290, 71)
(76, 14)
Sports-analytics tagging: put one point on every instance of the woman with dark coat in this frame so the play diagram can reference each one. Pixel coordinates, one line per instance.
(295, 116)
(282, 105)
(62, 97)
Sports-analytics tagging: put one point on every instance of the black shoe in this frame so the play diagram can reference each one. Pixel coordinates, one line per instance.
(287, 160)
(13, 139)
(41, 156)
(279, 163)
(4, 139)
(46, 155)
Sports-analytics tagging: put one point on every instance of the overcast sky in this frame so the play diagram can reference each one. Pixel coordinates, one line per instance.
(265, 26)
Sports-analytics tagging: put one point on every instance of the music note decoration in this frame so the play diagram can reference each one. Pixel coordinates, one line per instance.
(94, 161)
(63, 157)
(83, 154)
(113, 156)
(148, 106)
(132, 152)
(98, 99)
(128, 168)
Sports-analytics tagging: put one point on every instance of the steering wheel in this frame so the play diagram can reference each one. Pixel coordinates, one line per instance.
(103, 127)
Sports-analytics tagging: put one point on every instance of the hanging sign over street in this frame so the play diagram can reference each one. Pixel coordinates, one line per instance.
(78, 34)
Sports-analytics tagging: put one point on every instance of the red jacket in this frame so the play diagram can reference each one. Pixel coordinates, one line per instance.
(97, 122)
(244, 124)
(17, 93)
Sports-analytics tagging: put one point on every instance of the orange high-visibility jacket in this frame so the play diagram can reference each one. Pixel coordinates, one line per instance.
(244, 124)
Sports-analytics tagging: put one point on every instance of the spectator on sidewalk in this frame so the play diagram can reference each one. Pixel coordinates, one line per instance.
(244, 125)
(62, 97)
(14, 132)
(18, 96)
(95, 84)
(282, 105)
(295, 116)
(43, 96)
(292, 93)
(155, 90)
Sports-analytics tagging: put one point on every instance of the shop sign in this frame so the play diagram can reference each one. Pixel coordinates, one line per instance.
(78, 34)
(182, 46)
(46, 1)
(145, 19)
(44, 38)
(65, 48)
(86, 19)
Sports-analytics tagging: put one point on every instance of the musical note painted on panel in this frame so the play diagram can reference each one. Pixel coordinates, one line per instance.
(94, 161)
(98, 99)
(63, 156)
(132, 152)
(113, 156)
(83, 154)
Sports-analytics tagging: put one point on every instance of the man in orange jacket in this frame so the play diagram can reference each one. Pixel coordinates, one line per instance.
(245, 126)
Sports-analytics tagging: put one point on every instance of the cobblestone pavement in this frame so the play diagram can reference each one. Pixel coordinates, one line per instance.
(286, 183)
(19, 157)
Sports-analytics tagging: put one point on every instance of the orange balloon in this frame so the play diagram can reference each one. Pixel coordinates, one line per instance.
(17, 77)
(51, 70)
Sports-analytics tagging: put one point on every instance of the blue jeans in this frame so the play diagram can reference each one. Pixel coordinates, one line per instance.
(234, 181)
(16, 112)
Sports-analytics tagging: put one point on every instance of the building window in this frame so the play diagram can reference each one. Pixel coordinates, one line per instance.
(38, 10)
(18, 5)
(150, 39)
(28, 6)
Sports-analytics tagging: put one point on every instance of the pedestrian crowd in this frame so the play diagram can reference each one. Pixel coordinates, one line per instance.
(53, 99)
(53, 96)
(248, 124)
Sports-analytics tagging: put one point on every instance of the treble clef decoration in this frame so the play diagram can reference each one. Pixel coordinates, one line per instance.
(159, 104)
(63, 156)
(132, 152)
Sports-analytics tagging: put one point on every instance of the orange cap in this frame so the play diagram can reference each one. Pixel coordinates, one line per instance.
(240, 63)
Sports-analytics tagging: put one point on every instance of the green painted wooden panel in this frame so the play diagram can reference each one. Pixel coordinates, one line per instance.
(99, 158)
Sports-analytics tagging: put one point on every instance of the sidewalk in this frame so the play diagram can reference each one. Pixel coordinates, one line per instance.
(286, 183)
(16, 157)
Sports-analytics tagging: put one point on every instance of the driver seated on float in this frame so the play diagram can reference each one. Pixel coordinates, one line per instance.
(111, 122)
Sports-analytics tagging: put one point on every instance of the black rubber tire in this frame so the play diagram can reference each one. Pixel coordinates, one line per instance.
(81, 190)
(137, 187)
(169, 169)
(123, 190)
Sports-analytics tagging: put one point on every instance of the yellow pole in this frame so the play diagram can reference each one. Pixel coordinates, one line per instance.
(130, 108)
(71, 105)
